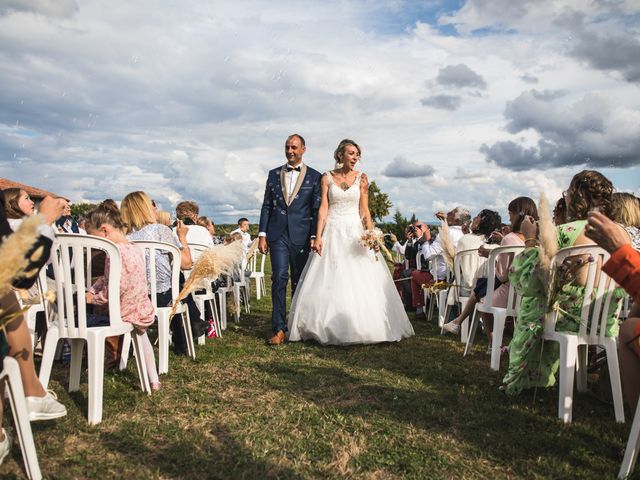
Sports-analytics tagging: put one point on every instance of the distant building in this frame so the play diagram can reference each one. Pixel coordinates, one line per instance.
(36, 194)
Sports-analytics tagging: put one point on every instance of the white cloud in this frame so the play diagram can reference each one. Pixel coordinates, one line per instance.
(194, 101)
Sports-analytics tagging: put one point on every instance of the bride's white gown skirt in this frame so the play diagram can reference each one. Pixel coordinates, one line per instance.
(345, 296)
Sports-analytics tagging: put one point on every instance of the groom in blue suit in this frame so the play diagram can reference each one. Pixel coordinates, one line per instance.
(287, 226)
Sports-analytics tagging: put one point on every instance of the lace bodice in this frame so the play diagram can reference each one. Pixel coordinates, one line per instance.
(344, 202)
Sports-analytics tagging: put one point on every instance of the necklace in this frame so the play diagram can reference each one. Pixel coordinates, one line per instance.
(344, 185)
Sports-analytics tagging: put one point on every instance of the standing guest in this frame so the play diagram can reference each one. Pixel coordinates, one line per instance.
(243, 229)
(187, 212)
(416, 237)
(137, 213)
(136, 308)
(287, 226)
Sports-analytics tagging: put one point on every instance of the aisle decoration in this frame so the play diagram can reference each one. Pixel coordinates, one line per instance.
(209, 266)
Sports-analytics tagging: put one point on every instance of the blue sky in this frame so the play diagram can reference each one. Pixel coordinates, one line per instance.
(466, 103)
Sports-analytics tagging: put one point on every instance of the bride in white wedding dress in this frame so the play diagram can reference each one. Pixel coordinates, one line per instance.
(345, 295)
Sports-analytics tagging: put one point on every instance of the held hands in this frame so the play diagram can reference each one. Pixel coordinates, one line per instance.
(262, 245)
(316, 245)
(605, 232)
(484, 251)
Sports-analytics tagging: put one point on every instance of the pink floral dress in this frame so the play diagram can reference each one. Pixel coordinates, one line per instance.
(135, 305)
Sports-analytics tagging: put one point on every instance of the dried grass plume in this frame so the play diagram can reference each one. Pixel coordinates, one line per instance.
(448, 252)
(548, 238)
(13, 252)
(209, 266)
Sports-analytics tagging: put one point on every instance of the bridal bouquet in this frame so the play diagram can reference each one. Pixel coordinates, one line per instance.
(373, 239)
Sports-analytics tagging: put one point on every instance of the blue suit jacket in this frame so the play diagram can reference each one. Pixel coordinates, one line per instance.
(296, 215)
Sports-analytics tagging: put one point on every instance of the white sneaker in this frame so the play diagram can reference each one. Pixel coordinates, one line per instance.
(451, 328)
(45, 408)
(5, 445)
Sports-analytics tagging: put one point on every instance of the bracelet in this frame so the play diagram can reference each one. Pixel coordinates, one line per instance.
(532, 238)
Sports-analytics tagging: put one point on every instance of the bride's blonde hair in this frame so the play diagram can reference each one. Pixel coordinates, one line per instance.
(340, 151)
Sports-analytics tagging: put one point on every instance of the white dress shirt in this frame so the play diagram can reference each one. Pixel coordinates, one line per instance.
(431, 250)
(246, 239)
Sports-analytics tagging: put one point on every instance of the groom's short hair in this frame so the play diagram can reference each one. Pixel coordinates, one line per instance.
(299, 136)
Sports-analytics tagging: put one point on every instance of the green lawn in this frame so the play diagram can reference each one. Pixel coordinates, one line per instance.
(415, 409)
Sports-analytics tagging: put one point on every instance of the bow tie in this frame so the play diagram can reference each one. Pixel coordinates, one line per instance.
(291, 169)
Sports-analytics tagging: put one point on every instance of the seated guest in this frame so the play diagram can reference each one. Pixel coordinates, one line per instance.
(187, 212)
(66, 223)
(624, 268)
(211, 228)
(455, 219)
(243, 229)
(41, 405)
(626, 212)
(473, 267)
(138, 215)
(163, 218)
(18, 204)
(560, 212)
(532, 361)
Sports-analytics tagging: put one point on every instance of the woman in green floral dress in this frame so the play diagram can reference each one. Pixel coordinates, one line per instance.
(532, 361)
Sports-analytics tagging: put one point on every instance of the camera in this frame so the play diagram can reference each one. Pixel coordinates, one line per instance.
(411, 229)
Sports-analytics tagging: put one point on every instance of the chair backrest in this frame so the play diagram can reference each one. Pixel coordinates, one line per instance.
(438, 260)
(463, 284)
(419, 260)
(151, 250)
(74, 282)
(253, 262)
(513, 300)
(598, 289)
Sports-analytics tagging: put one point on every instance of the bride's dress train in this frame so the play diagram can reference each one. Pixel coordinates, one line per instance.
(345, 296)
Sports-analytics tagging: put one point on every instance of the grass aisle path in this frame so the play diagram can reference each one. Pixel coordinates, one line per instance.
(414, 409)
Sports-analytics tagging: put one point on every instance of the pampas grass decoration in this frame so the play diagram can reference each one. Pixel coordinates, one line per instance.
(448, 252)
(211, 264)
(13, 252)
(252, 249)
(548, 238)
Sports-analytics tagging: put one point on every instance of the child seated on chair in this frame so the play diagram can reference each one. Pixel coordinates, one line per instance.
(135, 307)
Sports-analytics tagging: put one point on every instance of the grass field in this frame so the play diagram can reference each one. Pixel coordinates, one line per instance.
(415, 409)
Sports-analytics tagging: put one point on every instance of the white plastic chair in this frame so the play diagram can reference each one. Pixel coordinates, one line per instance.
(240, 286)
(71, 318)
(463, 288)
(598, 294)
(633, 446)
(151, 250)
(499, 314)
(257, 274)
(40, 306)
(10, 375)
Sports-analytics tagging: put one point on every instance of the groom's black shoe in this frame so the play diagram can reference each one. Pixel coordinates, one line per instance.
(278, 339)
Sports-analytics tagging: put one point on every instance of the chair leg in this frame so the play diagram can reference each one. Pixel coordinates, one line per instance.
(258, 288)
(236, 299)
(95, 356)
(163, 345)
(216, 316)
(11, 374)
(126, 346)
(222, 297)
(614, 377)
(568, 357)
(633, 446)
(581, 368)
(186, 323)
(496, 344)
(472, 333)
(77, 346)
(141, 364)
(48, 353)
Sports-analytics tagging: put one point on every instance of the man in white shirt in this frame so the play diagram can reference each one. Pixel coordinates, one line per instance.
(455, 219)
(188, 212)
(243, 229)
